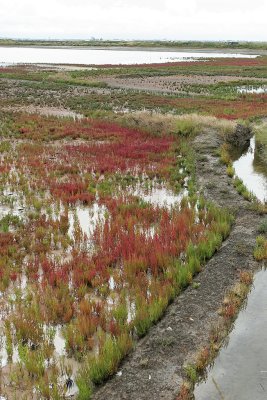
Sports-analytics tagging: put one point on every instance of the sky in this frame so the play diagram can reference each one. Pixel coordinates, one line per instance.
(135, 19)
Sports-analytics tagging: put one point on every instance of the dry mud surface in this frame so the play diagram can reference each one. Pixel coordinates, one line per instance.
(173, 83)
(155, 369)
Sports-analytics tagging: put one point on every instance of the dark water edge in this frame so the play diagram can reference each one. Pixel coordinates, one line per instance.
(240, 370)
(251, 169)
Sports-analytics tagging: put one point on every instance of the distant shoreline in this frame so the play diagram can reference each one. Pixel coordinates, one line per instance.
(150, 45)
(142, 48)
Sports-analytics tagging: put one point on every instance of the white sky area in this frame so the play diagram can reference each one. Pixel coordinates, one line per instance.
(135, 19)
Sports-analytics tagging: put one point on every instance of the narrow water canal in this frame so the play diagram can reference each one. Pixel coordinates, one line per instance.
(240, 370)
(250, 168)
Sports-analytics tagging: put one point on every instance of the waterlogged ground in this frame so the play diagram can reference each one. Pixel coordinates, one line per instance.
(253, 90)
(102, 224)
(97, 236)
(217, 87)
(240, 370)
(250, 168)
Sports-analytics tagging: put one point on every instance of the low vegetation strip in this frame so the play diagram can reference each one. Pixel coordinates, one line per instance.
(98, 287)
(191, 44)
(107, 216)
(156, 368)
(241, 94)
(231, 305)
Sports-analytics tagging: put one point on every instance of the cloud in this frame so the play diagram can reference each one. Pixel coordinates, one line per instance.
(147, 19)
(225, 6)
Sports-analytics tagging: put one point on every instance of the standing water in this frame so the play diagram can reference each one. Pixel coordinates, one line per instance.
(78, 56)
(249, 168)
(240, 370)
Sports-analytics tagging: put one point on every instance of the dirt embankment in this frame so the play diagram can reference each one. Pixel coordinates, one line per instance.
(241, 136)
(155, 369)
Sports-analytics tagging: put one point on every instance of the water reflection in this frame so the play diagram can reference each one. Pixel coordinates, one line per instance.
(252, 90)
(240, 370)
(97, 57)
(250, 168)
(159, 196)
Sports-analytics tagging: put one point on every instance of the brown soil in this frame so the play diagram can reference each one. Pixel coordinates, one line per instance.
(171, 84)
(33, 93)
(155, 369)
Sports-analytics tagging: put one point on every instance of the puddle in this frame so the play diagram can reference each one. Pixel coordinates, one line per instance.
(12, 203)
(159, 196)
(249, 168)
(86, 219)
(16, 211)
(240, 370)
(59, 354)
(4, 359)
(252, 89)
(59, 342)
(73, 390)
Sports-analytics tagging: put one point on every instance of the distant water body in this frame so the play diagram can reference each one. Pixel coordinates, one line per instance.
(85, 56)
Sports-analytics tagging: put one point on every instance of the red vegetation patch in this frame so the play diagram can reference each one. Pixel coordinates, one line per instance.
(69, 169)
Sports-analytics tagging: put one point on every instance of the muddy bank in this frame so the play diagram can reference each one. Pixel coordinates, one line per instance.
(155, 368)
(261, 145)
(239, 371)
(241, 136)
(173, 83)
(250, 167)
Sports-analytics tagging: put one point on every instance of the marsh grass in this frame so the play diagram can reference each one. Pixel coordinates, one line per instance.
(225, 158)
(230, 170)
(261, 141)
(263, 226)
(154, 270)
(106, 363)
(242, 189)
(260, 251)
(185, 125)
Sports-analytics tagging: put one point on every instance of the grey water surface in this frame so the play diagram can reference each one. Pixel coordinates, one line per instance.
(85, 56)
(240, 370)
(250, 169)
